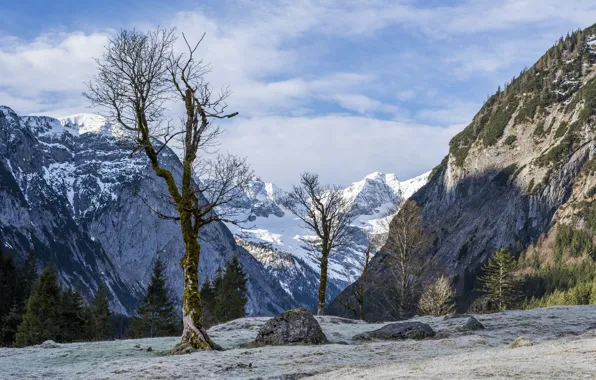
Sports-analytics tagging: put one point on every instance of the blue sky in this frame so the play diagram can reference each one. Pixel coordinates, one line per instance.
(343, 88)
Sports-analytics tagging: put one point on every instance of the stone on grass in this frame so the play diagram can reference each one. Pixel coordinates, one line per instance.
(396, 331)
(455, 316)
(471, 324)
(296, 326)
(522, 341)
(49, 344)
(483, 305)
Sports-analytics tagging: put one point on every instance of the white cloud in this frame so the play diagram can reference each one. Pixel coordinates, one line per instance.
(363, 104)
(341, 148)
(269, 53)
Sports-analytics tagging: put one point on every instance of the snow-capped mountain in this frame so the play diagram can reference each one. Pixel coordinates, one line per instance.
(69, 190)
(274, 235)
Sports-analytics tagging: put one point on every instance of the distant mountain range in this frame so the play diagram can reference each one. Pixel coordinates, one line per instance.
(274, 236)
(70, 191)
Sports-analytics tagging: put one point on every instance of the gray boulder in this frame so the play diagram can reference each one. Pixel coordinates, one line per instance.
(471, 324)
(49, 344)
(296, 326)
(396, 331)
(456, 316)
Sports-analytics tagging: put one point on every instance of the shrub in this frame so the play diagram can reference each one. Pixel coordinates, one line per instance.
(437, 298)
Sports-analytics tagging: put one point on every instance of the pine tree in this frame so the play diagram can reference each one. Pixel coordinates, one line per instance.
(231, 298)
(8, 280)
(76, 318)
(216, 287)
(102, 330)
(499, 280)
(10, 324)
(15, 287)
(157, 315)
(41, 320)
(208, 298)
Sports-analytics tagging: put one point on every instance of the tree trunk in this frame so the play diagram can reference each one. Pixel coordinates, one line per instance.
(323, 284)
(193, 333)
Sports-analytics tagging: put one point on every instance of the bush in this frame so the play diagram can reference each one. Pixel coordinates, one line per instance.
(437, 298)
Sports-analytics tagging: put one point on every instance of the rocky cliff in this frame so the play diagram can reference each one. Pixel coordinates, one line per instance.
(523, 165)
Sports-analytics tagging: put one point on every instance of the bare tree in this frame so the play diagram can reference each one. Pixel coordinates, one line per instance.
(139, 75)
(407, 256)
(325, 212)
(375, 239)
(358, 288)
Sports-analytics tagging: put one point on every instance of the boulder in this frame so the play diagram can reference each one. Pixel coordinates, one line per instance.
(49, 344)
(471, 324)
(296, 326)
(396, 331)
(455, 316)
(483, 305)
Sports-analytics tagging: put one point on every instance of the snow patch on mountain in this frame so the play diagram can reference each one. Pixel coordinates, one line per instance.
(275, 236)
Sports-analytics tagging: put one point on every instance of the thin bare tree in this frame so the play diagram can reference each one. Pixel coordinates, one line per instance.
(358, 288)
(375, 239)
(408, 260)
(324, 211)
(139, 78)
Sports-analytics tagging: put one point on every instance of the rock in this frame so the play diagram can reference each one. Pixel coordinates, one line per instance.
(483, 305)
(149, 349)
(49, 344)
(471, 324)
(456, 316)
(522, 341)
(296, 326)
(395, 331)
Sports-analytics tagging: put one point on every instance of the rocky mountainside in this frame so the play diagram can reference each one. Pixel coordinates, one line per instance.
(524, 165)
(274, 235)
(71, 192)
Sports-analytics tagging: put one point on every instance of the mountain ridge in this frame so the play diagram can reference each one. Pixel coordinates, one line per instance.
(83, 174)
(514, 171)
(275, 235)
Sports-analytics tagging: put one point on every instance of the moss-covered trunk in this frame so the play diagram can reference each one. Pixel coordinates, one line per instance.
(193, 333)
(323, 283)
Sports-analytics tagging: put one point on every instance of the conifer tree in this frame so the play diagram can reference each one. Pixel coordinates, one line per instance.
(231, 296)
(76, 318)
(102, 330)
(15, 287)
(157, 315)
(8, 280)
(499, 280)
(208, 297)
(41, 320)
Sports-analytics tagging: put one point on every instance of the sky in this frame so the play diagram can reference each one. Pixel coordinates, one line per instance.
(342, 88)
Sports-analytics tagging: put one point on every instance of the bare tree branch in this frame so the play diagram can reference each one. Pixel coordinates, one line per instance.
(325, 212)
(138, 75)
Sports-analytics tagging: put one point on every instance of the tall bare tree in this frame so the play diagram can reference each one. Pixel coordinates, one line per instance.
(325, 212)
(375, 240)
(407, 256)
(139, 77)
(358, 288)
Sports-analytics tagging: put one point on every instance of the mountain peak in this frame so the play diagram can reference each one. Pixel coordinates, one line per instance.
(376, 176)
(87, 123)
